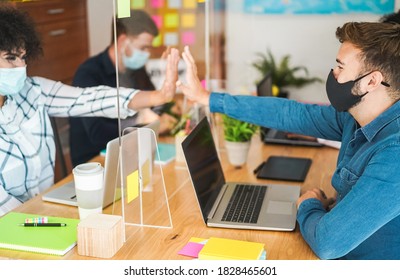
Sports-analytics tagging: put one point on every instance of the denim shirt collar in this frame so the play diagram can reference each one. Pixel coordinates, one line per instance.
(391, 114)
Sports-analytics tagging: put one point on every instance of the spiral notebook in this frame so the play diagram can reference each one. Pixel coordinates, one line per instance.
(46, 240)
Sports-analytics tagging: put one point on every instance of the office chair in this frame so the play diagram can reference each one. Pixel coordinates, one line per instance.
(60, 164)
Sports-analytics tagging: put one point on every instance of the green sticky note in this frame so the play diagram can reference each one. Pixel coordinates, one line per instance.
(138, 4)
(157, 41)
(123, 8)
(171, 20)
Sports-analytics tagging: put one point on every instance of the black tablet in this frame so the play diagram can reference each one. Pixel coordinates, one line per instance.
(285, 168)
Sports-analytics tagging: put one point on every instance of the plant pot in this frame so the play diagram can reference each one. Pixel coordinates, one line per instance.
(237, 152)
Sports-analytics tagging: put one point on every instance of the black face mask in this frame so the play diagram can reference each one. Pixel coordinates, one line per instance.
(340, 95)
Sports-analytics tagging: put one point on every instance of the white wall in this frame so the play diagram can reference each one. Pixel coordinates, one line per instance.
(99, 24)
(309, 39)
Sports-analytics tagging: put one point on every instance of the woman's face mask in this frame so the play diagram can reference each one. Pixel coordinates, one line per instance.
(341, 95)
(12, 80)
(136, 60)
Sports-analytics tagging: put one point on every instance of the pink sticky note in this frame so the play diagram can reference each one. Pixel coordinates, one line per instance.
(157, 3)
(188, 38)
(191, 249)
(158, 20)
(204, 83)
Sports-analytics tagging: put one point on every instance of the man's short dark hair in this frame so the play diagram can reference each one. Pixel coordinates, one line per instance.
(391, 18)
(139, 22)
(17, 32)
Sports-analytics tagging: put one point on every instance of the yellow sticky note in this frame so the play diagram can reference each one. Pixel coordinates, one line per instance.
(123, 8)
(197, 240)
(145, 173)
(132, 185)
(188, 20)
(190, 4)
(171, 20)
(138, 4)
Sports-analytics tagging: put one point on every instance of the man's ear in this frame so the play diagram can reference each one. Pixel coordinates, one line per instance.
(121, 41)
(374, 81)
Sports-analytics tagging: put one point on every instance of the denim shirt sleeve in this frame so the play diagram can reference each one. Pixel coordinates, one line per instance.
(369, 206)
(281, 113)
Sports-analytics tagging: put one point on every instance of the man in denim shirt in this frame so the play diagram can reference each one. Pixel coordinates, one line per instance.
(363, 221)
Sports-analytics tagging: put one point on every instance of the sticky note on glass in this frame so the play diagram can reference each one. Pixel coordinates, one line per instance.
(174, 4)
(157, 3)
(157, 41)
(145, 173)
(188, 20)
(171, 20)
(188, 38)
(190, 4)
(123, 8)
(138, 4)
(158, 20)
(171, 39)
(133, 185)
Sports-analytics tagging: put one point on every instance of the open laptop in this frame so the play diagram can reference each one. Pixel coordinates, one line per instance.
(65, 194)
(265, 207)
(273, 136)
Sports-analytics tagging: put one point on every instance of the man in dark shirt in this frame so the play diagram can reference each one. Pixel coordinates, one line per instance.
(88, 136)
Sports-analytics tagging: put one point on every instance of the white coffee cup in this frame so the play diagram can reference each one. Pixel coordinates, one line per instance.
(89, 190)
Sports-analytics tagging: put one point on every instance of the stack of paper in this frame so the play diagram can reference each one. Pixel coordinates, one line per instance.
(223, 249)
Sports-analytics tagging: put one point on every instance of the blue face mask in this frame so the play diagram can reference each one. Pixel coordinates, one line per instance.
(12, 80)
(137, 60)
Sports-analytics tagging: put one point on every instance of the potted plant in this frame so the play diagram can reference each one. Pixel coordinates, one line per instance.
(237, 135)
(283, 75)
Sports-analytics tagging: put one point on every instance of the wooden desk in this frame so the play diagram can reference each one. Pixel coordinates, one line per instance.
(151, 243)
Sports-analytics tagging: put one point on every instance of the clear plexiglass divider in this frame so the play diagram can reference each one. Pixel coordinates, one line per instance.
(141, 198)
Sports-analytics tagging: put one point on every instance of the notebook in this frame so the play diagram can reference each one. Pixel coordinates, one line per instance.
(273, 136)
(46, 240)
(230, 249)
(65, 194)
(285, 168)
(274, 205)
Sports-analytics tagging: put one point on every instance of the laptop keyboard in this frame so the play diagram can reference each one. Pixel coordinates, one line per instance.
(245, 204)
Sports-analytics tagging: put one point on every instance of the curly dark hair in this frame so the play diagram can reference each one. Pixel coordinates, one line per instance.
(17, 32)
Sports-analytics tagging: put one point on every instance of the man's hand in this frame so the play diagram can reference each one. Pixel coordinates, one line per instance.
(318, 194)
(171, 76)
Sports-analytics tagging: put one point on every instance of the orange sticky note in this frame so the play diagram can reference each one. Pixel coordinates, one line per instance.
(190, 4)
(133, 185)
(188, 20)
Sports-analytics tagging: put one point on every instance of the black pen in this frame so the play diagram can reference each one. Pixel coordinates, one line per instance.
(43, 225)
(255, 171)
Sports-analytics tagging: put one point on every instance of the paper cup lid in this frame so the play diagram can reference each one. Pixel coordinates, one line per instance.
(90, 168)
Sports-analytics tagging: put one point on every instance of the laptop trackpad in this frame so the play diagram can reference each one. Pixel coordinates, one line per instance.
(280, 207)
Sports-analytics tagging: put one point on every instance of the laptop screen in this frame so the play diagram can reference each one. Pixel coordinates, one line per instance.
(264, 87)
(204, 166)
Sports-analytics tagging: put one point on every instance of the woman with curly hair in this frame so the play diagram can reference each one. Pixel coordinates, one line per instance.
(27, 149)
